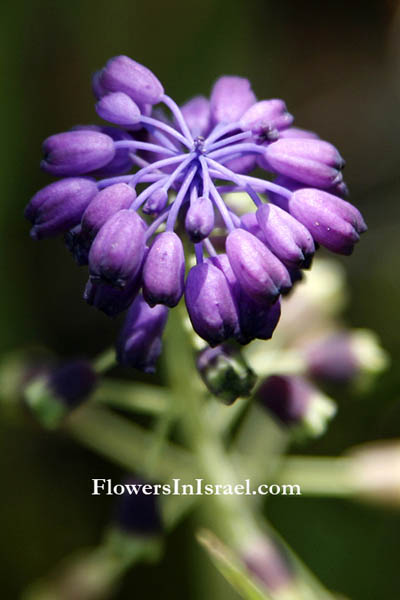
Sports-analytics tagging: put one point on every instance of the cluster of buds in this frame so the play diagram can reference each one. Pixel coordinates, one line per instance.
(128, 190)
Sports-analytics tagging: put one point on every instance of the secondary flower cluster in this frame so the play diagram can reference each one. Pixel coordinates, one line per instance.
(183, 165)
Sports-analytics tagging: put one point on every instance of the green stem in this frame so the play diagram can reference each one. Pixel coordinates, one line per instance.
(318, 476)
(137, 398)
(105, 361)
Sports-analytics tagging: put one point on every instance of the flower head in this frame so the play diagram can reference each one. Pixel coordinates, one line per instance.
(132, 228)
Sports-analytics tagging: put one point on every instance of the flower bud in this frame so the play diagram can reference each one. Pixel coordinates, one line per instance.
(164, 270)
(210, 304)
(122, 161)
(78, 244)
(137, 513)
(59, 206)
(294, 402)
(260, 273)
(199, 221)
(156, 202)
(139, 344)
(230, 98)
(197, 115)
(104, 205)
(122, 74)
(97, 88)
(345, 356)
(53, 395)
(76, 152)
(110, 299)
(225, 373)
(265, 117)
(117, 251)
(288, 239)
(118, 108)
(255, 320)
(333, 222)
(296, 132)
(314, 162)
(250, 223)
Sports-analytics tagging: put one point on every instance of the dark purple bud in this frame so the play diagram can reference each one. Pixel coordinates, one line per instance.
(256, 320)
(156, 202)
(139, 344)
(117, 251)
(104, 205)
(199, 221)
(210, 304)
(230, 98)
(122, 74)
(59, 206)
(164, 270)
(333, 222)
(296, 132)
(345, 356)
(97, 88)
(260, 273)
(122, 161)
(197, 114)
(73, 382)
(78, 244)
(293, 401)
(314, 162)
(225, 372)
(76, 152)
(288, 239)
(110, 299)
(265, 117)
(118, 108)
(54, 393)
(137, 513)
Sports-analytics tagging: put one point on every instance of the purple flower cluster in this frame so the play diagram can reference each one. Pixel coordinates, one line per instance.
(122, 184)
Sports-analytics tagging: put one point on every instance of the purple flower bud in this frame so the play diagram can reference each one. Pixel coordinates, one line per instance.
(266, 116)
(122, 74)
(104, 205)
(230, 98)
(255, 320)
(260, 273)
(296, 132)
(139, 343)
(77, 152)
(249, 222)
(138, 514)
(242, 164)
(199, 221)
(333, 222)
(110, 299)
(117, 251)
(78, 245)
(210, 304)
(59, 206)
(197, 115)
(118, 108)
(156, 202)
(164, 270)
(314, 162)
(225, 372)
(293, 401)
(122, 161)
(288, 239)
(73, 382)
(97, 88)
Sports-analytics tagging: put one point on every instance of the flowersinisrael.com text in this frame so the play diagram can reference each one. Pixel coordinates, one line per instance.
(197, 488)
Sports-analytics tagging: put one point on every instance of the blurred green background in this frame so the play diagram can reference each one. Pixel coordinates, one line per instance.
(337, 66)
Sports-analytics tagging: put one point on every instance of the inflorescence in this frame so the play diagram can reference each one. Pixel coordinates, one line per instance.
(127, 226)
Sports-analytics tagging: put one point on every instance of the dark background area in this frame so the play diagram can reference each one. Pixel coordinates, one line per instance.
(337, 66)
